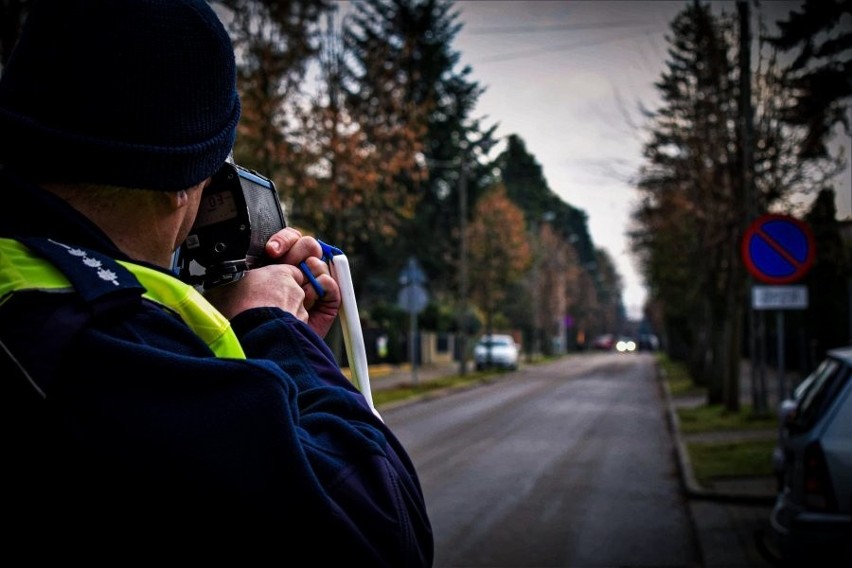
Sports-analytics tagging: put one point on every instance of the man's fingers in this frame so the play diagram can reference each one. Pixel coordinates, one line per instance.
(282, 241)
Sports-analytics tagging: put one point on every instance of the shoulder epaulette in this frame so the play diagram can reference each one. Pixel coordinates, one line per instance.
(92, 274)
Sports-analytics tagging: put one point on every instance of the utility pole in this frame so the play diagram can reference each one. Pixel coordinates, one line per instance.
(758, 386)
(462, 315)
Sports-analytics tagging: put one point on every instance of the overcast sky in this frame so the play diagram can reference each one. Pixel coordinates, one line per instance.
(567, 77)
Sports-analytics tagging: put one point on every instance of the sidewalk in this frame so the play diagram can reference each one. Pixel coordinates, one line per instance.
(728, 517)
(731, 516)
(390, 376)
(759, 490)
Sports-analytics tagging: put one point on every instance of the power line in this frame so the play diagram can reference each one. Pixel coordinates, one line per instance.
(553, 28)
(555, 48)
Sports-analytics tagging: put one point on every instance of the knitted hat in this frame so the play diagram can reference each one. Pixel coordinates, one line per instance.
(133, 93)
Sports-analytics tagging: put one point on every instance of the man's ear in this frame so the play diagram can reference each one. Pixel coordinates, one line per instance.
(176, 199)
(181, 198)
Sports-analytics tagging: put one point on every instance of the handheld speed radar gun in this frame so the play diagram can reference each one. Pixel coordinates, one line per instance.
(239, 212)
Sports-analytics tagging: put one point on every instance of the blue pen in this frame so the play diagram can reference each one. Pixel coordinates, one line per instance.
(312, 279)
(328, 252)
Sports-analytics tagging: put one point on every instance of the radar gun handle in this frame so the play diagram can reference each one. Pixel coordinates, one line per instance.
(350, 322)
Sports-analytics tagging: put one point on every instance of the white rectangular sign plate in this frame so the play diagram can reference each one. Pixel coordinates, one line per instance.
(779, 297)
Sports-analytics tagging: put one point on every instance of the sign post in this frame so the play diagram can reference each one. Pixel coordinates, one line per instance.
(778, 250)
(413, 298)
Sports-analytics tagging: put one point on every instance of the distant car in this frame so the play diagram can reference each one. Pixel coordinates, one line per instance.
(811, 521)
(648, 342)
(604, 342)
(625, 345)
(498, 350)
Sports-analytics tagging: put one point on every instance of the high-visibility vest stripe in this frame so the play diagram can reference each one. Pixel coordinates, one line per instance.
(20, 270)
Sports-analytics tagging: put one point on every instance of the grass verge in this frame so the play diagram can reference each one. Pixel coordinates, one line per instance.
(719, 460)
(388, 396)
(715, 418)
(713, 460)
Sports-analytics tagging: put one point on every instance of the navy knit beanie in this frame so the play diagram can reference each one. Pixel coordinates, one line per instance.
(132, 93)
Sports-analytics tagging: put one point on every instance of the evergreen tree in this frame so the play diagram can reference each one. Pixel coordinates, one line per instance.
(827, 316)
(820, 77)
(526, 186)
(363, 170)
(694, 191)
(610, 288)
(408, 43)
(275, 42)
(792, 125)
(690, 185)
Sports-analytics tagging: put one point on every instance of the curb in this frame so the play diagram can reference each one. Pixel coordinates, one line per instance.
(692, 488)
(437, 393)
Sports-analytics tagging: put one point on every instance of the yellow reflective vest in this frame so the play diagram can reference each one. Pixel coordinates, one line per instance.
(22, 269)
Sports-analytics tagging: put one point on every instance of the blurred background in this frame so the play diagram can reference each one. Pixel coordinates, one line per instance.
(557, 171)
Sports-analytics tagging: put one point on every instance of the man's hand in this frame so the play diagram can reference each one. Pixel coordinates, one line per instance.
(290, 247)
(284, 285)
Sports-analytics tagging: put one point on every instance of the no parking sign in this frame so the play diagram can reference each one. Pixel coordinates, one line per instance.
(778, 249)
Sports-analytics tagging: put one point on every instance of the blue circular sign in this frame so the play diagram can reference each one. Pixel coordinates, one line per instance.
(778, 249)
(413, 298)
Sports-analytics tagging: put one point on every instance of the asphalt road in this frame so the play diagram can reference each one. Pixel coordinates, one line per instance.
(564, 464)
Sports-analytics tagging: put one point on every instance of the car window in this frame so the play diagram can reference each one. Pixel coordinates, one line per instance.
(827, 367)
(827, 380)
(495, 342)
(841, 426)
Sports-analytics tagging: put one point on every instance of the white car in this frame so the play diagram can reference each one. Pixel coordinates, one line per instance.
(497, 350)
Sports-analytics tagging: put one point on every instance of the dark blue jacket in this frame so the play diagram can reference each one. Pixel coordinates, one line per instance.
(145, 445)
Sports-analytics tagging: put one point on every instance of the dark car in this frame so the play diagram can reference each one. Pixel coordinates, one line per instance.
(811, 522)
(648, 342)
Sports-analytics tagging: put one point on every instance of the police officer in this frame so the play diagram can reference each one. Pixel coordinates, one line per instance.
(143, 419)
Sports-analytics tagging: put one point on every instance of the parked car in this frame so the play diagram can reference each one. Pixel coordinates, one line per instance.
(604, 342)
(497, 350)
(648, 342)
(811, 521)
